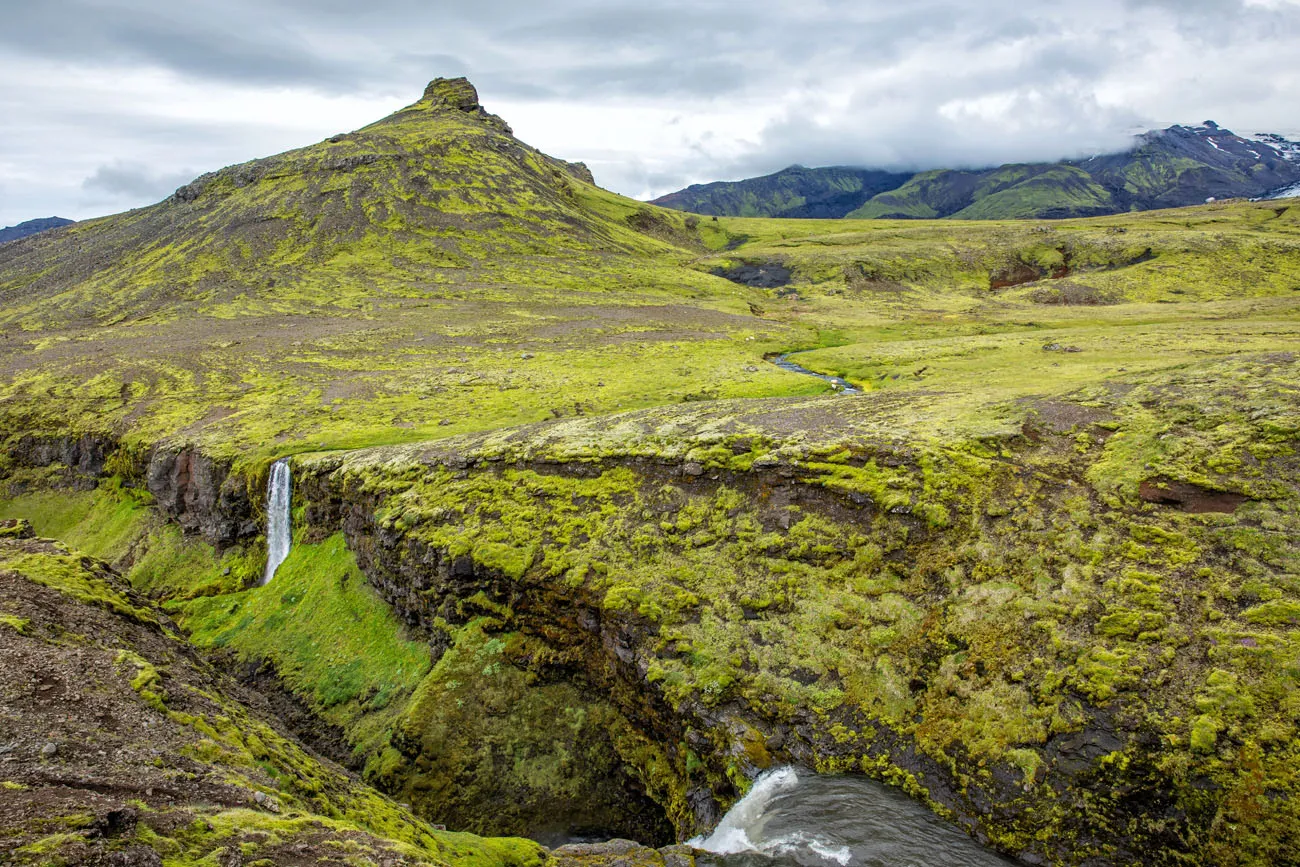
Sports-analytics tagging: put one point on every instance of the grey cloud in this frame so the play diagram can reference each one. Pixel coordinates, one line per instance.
(133, 181)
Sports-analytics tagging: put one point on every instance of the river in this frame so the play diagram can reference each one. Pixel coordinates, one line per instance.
(800, 819)
(843, 386)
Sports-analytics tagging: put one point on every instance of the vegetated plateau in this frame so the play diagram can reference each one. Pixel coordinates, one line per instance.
(571, 556)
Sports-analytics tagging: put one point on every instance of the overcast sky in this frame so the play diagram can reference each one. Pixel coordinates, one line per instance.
(111, 104)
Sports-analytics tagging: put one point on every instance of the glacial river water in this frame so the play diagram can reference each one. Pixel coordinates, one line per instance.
(842, 385)
(801, 819)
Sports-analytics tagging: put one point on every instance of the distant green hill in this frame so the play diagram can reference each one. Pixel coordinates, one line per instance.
(31, 227)
(794, 192)
(1175, 167)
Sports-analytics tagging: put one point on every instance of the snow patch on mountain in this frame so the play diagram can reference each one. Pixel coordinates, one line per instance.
(1289, 150)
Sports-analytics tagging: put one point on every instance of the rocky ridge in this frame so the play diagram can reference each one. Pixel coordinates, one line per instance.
(32, 227)
(1173, 167)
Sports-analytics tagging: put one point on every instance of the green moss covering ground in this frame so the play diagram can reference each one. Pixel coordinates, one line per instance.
(193, 773)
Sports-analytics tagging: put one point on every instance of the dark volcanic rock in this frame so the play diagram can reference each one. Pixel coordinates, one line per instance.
(762, 275)
(1189, 497)
(201, 495)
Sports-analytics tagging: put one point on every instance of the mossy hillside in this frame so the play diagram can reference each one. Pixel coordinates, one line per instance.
(1212, 252)
(1008, 193)
(471, 732)
(1175, 167)
(425, 276)
(104, 523)
(1030, 596)
(428, 192)
(209, 752)
(910, 305)
(331, 639)
(792, 192)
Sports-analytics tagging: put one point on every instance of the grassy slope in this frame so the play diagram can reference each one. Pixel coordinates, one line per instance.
(386, 286)
(403, 307)
(1010, 192)
(171, 726)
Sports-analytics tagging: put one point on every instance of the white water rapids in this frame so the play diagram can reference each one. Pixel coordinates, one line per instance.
(279, 531)
(804, 820)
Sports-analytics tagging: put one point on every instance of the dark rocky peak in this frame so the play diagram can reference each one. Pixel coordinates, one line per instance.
(458, 94)
(1289, 150)
(452, 93)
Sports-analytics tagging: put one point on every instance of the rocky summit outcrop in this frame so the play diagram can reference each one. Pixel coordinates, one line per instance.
(455, 93)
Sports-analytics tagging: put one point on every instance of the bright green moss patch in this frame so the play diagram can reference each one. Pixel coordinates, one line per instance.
(330, 636)
(17, 624)
(103, 523)
(73, 575)
(174, 567)
(1279, 612)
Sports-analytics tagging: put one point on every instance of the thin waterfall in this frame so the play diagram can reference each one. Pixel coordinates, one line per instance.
(279, 531)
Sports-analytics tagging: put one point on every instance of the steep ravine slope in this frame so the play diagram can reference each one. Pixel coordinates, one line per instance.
(1074, 636)
(120, 745)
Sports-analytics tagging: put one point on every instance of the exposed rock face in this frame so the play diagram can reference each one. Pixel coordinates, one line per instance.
(581, 172)
(200, 494)
(194, 489)
(458, 94)
(83, 456)
(453, 93)
(1189, 497)
(613, 650)
(761, 275)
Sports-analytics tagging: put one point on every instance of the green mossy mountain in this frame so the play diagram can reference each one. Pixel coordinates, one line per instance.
(1175, 167)
(792, 192)
(566, 542)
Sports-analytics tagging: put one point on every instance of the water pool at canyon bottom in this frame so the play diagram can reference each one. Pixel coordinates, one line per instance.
(801, 819)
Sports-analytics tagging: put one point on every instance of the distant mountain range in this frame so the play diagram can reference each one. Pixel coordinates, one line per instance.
(31, 227)
(1169, 168)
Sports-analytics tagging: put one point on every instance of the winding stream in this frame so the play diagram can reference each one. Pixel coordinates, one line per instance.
(841, 385)
(800, 819)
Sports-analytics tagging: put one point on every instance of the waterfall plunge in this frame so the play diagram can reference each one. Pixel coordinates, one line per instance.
(279, 534)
